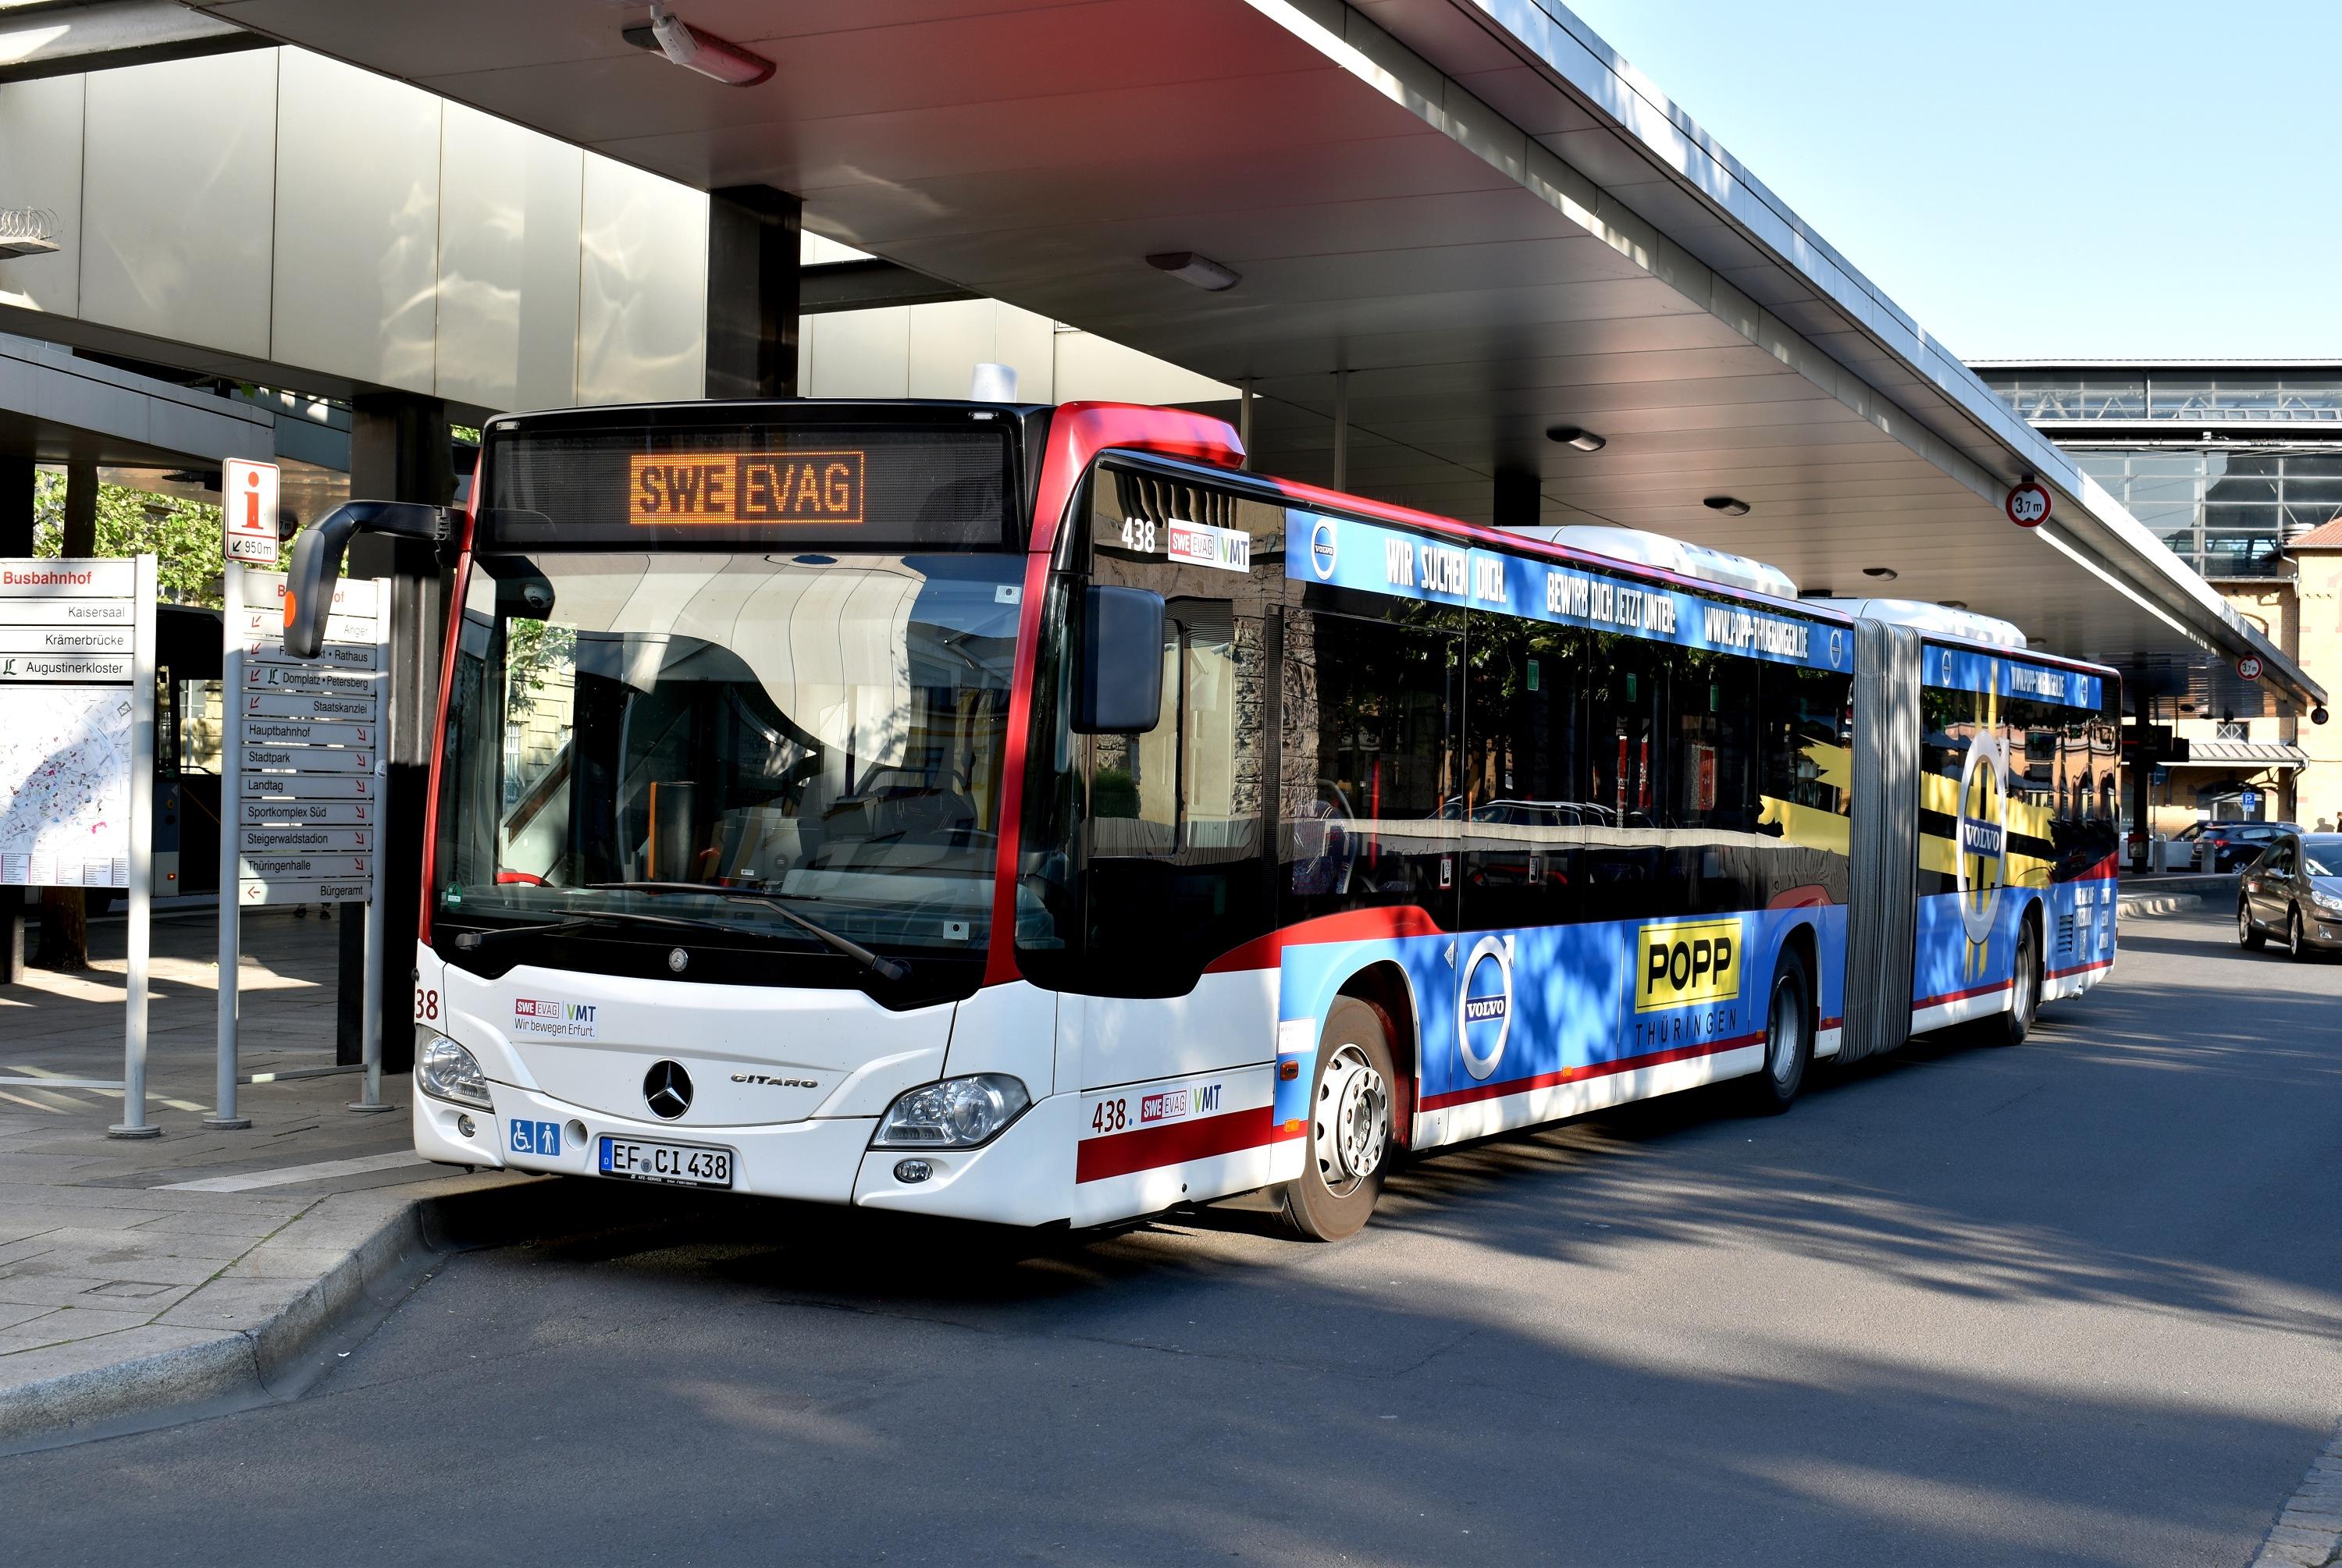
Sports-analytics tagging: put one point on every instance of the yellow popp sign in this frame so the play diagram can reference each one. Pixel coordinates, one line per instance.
(1679, 965)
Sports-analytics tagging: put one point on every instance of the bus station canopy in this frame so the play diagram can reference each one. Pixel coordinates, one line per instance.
(1491, 224)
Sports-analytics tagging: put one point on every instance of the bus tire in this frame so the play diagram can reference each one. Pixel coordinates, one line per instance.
(1348, 1149)
(2011, 1027)
(1788, 1038)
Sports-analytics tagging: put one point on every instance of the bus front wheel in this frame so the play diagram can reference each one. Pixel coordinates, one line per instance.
(1349, 1134)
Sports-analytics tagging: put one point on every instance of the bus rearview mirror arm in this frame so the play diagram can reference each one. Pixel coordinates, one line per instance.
(317, 560)
(1120, 691)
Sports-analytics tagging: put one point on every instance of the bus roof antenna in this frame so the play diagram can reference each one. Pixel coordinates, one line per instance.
(990, 383)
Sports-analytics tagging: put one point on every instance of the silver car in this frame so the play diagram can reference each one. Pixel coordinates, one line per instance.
(2293, 892)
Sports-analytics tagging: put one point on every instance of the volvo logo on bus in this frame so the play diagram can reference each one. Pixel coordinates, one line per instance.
(1483, 1010)
(1321, 551)
(666, 1089)
(1983, 859)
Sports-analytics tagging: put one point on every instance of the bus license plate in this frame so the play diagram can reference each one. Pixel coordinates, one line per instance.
(676, 1165)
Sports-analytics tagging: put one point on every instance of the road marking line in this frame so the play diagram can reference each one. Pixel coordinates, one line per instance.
(284, 1176)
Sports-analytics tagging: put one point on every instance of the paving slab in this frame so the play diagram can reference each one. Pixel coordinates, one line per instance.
(124, 1289)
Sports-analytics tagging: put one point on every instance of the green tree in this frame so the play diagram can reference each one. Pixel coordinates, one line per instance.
(183, 536)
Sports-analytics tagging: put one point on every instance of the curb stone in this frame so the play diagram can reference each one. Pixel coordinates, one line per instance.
(2308, 1529)
(261, 1328)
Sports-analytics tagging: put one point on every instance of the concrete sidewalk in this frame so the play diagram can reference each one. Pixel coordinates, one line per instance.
(2179, 893)
(198, 1265)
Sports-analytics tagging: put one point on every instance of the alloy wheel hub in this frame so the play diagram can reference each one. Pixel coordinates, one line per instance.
(1353, 1123)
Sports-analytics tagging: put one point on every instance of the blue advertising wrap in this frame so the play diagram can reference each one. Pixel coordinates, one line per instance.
(1508, 1012)
(1346, 553)
(2002, 675)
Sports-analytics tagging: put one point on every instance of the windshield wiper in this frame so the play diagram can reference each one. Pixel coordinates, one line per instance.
(473, 941)
(885, 968)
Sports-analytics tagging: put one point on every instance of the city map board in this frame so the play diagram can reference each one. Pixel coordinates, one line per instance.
(66, 709)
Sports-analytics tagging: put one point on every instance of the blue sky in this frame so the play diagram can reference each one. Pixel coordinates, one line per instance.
(2059, 179)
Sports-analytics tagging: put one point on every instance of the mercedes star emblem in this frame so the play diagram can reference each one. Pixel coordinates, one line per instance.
(667, 1089)
(676, 958)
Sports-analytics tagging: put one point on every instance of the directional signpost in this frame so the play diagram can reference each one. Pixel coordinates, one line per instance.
(77, 759)
(304, 761)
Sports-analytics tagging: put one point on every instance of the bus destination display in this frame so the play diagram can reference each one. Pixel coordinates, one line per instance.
(736, 487)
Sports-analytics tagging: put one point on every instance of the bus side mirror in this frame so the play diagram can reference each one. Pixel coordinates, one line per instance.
(1121, 691)
(317, 561)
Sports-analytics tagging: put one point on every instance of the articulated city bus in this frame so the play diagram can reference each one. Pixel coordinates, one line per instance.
(1025, 814)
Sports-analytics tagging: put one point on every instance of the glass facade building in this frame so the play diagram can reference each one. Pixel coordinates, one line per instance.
(2226, 464)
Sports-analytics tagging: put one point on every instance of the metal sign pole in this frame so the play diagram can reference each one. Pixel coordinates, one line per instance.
(370, 1036)
(231, 944)
(133, 1122)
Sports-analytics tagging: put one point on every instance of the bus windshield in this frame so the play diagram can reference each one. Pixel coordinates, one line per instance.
(823, 731)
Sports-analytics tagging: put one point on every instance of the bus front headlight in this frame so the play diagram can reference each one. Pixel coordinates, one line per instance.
(953, 1114)
(446, 1071)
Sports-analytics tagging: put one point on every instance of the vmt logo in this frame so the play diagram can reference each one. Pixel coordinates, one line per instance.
(554, 1012)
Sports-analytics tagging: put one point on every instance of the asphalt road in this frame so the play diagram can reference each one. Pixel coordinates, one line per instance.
(2076, 1301)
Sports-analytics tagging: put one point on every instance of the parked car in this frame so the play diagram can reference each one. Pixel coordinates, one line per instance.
(2227, 845)
(2293, 892)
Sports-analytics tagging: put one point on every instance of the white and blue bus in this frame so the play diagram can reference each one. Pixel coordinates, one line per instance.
(1025, 815)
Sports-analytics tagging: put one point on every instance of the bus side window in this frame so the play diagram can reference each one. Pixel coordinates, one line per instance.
(1146, 856)
(1372, 789)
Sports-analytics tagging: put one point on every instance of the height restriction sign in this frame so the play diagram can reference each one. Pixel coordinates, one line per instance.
(249, 491)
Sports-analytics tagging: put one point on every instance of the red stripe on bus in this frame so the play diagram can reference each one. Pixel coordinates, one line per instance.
(1149, 1147)
(463, 586)
(2081, 968)
(1591, 1070)
(1959, 996)
(1352, 925)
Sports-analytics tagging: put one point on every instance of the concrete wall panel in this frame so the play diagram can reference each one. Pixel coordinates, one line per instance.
(860, 353)
(946, 340)
(40, 166)
(509, 263)
(178, 188)
(358, 222)
(642, 289)
(1091, 367)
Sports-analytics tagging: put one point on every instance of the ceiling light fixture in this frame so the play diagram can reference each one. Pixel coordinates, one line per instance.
(715, 59)
(1570, 435)
(1202, 271)
(1730, 505)
(1883, 573)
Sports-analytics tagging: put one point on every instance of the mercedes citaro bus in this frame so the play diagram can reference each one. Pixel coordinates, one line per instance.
(1027, 815)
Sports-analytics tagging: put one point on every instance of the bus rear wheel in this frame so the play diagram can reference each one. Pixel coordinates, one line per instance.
(1788, 1038)
(1349, 1138)
(2011, 1027)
